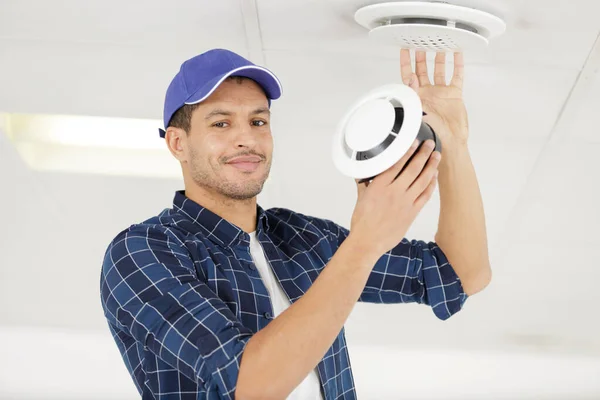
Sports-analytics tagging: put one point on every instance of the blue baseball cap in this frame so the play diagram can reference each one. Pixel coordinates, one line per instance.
(199, 76)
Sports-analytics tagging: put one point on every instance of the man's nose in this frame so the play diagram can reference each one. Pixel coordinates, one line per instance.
(245, 136)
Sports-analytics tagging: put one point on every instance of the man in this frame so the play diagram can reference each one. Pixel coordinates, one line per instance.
(216, 298)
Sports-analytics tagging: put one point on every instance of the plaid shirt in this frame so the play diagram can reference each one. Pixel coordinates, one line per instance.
(183, 297)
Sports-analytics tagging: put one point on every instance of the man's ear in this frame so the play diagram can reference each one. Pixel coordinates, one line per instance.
(176, 139)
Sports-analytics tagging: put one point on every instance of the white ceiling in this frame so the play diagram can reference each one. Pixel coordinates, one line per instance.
(533, 100)
(475, 375)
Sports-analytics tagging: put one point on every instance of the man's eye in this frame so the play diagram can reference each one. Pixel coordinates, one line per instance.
(259, 122)
(220, 124)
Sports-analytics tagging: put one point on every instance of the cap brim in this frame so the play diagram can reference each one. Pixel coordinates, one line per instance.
(265, 78)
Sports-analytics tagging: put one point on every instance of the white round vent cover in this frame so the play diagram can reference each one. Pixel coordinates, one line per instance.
(370, 137)
(430, 26)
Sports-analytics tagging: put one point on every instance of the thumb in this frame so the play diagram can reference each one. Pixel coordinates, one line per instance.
(361, 187)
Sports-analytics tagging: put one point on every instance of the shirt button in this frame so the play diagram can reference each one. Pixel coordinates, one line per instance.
(252, 267)
(268, 315)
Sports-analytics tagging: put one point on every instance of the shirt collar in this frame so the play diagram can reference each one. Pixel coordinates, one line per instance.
(216, 228)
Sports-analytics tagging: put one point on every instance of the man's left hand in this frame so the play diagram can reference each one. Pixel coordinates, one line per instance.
(443, 103)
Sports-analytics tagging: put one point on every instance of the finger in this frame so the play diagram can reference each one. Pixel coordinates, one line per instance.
(389, 175)
(415, 165)
(421, 68)
(414, 82)
(439, 72)
(459, 68)
(430, 169)
(427, 193)
(405, 66)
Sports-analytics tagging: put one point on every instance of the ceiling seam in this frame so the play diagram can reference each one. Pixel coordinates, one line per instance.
(578, 91)
(253, 31)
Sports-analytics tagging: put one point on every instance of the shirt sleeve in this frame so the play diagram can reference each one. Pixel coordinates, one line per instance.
(150, 290)
(414, 271)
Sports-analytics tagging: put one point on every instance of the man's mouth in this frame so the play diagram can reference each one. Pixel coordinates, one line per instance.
(246, 163)
(245, 166)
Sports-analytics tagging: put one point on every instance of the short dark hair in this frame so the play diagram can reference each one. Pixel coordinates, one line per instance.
(182, 118)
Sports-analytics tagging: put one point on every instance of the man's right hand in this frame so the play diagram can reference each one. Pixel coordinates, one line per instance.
(386, 208)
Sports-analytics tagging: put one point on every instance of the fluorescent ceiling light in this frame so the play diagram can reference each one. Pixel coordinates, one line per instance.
(100, 145)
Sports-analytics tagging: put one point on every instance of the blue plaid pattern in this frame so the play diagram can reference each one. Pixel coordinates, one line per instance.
(183, 297)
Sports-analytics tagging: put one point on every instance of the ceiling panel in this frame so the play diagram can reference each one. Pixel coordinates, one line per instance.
(163, 25)
(72, 362)
(560, 204)
(90, 79)
(534, 33)
(541, 299)
(385, 372)
(545, 294)
(105, 58)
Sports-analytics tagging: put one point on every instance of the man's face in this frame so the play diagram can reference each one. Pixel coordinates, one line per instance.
(229, 146)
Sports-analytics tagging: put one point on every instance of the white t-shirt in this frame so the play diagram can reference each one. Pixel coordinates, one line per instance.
(310, 387)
